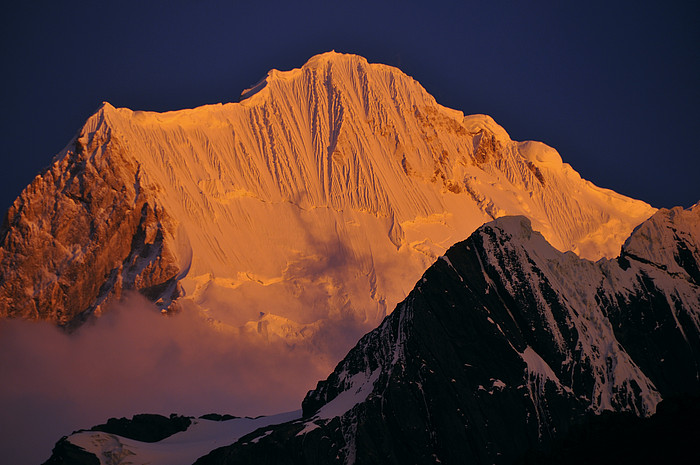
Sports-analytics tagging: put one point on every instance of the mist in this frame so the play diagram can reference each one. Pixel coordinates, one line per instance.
(134, 360)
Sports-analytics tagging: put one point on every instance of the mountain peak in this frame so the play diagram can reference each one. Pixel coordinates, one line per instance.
(516, 226)
(106, 106)
(332, 56)
(341, 70)
(668, 240)
(368, 173)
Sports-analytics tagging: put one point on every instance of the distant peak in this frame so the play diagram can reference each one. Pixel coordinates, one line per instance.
(104, 111)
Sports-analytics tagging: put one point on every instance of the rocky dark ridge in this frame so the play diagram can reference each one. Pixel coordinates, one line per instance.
(502, 346)
(66, 453)
(144, 427)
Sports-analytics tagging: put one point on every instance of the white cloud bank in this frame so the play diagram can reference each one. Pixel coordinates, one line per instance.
(133, 360)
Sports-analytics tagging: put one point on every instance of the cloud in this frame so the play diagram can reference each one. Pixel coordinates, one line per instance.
(134, 360)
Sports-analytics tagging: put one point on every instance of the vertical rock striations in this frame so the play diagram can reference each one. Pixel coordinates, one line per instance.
(370, 176)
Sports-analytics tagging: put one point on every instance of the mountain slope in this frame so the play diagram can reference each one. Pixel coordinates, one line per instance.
(501, 346)
(319, 198)
(184, 439)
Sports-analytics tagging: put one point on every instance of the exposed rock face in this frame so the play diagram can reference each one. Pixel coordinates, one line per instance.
(67, 453)
(145, 427)
(155, 439)
(80, 234)
(370, 178)
(501, 346)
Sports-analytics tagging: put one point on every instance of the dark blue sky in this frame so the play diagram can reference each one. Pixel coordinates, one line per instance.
(614, 86)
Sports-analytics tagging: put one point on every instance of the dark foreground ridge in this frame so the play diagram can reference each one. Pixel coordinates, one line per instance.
(502, 346)
(145, 427)
(509, 351)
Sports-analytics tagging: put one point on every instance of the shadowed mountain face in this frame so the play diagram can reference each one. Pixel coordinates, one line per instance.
(503, 345)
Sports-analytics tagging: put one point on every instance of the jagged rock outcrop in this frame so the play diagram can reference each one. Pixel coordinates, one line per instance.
(155, 439)
(502, 345)
(370, 177)
(145, 427)
(80, 234)
(67, 453)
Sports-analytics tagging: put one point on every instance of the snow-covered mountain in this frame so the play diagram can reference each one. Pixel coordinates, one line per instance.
(316, 201)
(502, 345)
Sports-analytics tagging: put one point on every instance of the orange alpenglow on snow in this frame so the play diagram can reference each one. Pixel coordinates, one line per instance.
(324, 194)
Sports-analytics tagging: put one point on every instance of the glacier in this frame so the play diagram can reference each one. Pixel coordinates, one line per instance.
(320, 197)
